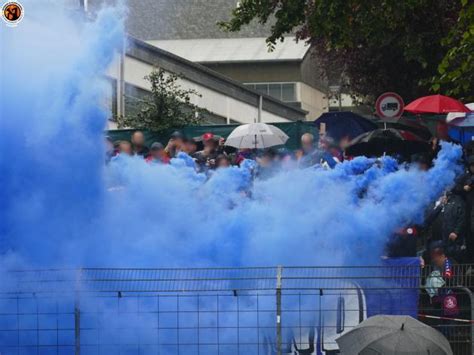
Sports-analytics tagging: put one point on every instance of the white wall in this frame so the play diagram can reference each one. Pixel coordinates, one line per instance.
(213, 101)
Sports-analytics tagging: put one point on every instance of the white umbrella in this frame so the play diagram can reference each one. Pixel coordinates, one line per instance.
(256, 136)
(452, 115)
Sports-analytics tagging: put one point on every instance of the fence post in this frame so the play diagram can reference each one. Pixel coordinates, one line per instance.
(278, 309)
(77, 313)
(471, 298)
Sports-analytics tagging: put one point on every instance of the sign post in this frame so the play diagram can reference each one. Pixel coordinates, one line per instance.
(389, 107)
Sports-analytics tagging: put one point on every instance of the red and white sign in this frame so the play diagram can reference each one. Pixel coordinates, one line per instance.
(389, 106)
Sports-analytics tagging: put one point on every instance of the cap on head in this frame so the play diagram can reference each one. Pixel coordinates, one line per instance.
(177, 135)
(157, 146)
(207, 137)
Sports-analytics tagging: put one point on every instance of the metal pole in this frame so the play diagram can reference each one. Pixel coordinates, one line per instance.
(77, 314)
(278, 309)
(471, 298)
(121, 83)
(260, 105)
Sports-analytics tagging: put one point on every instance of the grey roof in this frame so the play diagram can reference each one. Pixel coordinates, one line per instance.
(233, 49)
(206, 77)
(182, 19)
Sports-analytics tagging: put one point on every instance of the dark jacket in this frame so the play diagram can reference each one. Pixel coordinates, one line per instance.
(449, 218)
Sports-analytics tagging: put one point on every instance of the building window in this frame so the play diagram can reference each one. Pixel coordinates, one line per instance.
(285, 92)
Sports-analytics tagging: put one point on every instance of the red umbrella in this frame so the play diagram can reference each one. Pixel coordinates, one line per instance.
(436, 104)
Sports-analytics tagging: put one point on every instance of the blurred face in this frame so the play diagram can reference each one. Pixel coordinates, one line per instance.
(157, 153)
(223, 163)
(138, 139)
(307, 143)
(438, 258)
(471, 168)
(210, 144)
(442, 130)
(125, 148)
(344, 142)
(190, 147)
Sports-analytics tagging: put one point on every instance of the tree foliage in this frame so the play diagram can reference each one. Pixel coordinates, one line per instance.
(167, 106)
(456, 70)
(376, 45)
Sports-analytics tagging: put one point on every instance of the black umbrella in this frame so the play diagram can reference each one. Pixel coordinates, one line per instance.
(342, 124)
(387, 141)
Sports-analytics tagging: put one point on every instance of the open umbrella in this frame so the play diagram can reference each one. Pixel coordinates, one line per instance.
(256, 136)
(393, 335)
(342, 124)
(436, 104)
(452, 115)
(387, 141)
(461, 129)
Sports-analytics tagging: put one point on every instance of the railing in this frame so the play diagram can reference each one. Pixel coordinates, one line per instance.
(270, 310)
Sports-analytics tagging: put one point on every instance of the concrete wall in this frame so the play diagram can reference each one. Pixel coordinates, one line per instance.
(312, 100)
(310, 91)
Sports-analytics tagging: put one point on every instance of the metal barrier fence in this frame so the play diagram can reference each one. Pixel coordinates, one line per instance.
(273, 310)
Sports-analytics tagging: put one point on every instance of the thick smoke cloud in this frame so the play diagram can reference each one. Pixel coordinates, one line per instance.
(62, 207)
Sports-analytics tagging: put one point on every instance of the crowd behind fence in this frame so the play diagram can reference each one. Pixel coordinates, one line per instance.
(272, 310)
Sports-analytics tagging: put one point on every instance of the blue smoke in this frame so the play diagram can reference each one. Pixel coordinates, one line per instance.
(63, 208)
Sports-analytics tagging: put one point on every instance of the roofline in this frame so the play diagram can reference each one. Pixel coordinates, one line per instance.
(249, 61)
(152, 55)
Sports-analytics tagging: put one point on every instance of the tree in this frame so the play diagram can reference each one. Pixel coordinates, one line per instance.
(456, 71)
(167, 106)
(378, 46)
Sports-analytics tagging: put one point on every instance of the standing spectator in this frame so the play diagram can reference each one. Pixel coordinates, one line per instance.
(175, 145)
(449, 224)
(309, 155)
(138, 143)
(206, 158)
(125, 148)
(445, 300)
(466, 187)
(157, 154)
(331, 155)
(190, 147)
(222, 161)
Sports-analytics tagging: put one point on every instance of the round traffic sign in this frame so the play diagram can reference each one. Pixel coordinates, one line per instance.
(389, 105)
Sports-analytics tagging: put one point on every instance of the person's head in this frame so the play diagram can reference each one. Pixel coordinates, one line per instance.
(209, 141)
(177, 139)
(138, 139)
(190, 146)
(326, 143)
(437, 254)
(442, 130)
(344, 142)
(157, 151)
(307, 142)
(422, 162)
(267, 158)
(222, 161)
(125, 147)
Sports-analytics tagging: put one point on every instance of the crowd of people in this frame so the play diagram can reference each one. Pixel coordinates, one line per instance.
(444, 239)
(448, 225)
